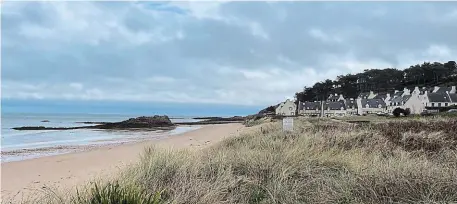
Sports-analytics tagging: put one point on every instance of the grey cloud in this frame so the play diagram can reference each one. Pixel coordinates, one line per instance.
(229, 53)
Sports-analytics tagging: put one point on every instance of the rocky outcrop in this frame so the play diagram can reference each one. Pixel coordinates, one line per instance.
(45, 121)
(132, 123)
(45, 128)
(140, 122)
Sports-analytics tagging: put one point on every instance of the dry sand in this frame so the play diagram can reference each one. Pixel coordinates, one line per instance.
(22, 179)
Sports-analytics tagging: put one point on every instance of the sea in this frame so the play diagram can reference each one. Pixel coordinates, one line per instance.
(19, 145)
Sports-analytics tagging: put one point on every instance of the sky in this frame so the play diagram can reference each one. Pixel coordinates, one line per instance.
(241, 56)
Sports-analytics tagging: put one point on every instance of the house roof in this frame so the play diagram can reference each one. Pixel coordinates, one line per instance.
(406, 98)
(396, 95)
(351, 103)
(373, 103)
(453, 97)
(443, 89)
(400, 99)
(334, 105)
(381, 96)
(438, 97)
(311, 105)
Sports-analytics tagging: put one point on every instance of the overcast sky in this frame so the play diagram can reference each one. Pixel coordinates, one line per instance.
(248, 53)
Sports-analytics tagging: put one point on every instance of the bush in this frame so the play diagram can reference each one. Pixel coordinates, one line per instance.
(397, 112)
(407, 112)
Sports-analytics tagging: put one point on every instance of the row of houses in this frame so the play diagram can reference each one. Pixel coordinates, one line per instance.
(416, 100)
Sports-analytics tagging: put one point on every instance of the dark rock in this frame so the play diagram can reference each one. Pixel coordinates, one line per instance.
(45, 121)
(92, 122)
(45, 128)
(140, 122)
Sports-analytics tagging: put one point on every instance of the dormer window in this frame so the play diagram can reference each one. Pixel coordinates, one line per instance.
(367, 106)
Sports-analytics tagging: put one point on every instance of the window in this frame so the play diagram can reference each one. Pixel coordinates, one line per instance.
(445, 104)
(290, 108)
(439, 104)
(433, 104)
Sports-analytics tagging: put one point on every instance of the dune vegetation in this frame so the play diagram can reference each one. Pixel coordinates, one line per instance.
(321, 161)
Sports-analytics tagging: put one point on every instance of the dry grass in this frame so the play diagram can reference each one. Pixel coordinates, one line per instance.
(322, 161)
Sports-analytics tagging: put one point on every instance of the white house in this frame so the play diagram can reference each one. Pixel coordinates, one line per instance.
(286, 108)
(414, 101)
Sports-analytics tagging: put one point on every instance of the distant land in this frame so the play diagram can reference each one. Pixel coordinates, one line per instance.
(125, 108)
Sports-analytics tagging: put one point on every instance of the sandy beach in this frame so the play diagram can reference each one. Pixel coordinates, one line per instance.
(21, 179)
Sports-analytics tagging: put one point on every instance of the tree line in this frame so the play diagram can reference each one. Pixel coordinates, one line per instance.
(383, 81)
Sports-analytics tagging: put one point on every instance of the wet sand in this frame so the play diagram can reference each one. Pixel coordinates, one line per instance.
(22, 179)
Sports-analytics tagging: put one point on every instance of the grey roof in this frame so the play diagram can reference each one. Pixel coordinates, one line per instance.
(453, 97)
(334, 105)
(395, 95)
(396, 99)
(443, 89)
(373, 103)
(400, 99)
(311, 105)
(406, 98)
(351, 103)
(381, 96)
(438, 97)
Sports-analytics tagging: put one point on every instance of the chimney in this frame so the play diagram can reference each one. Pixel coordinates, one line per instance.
(341, 97)
(453, 90)
(435, 89)
(416, 90)
(405, 92)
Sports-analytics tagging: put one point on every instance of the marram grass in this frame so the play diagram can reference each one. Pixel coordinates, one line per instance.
(321, 162)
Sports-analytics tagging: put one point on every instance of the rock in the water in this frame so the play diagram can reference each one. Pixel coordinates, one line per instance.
(132, 123)
(45, 121)
(140, 122)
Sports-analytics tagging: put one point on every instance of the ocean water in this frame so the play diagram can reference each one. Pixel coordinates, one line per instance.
(26, 144)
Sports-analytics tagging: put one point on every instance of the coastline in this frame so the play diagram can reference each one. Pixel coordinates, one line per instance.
(129, 137)
(20, 179)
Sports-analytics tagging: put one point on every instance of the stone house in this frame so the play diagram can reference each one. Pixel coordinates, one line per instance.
(440, 97)
(370, 106)
(406, 99)
(286, 108)
(309, 108)
(325, 108)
